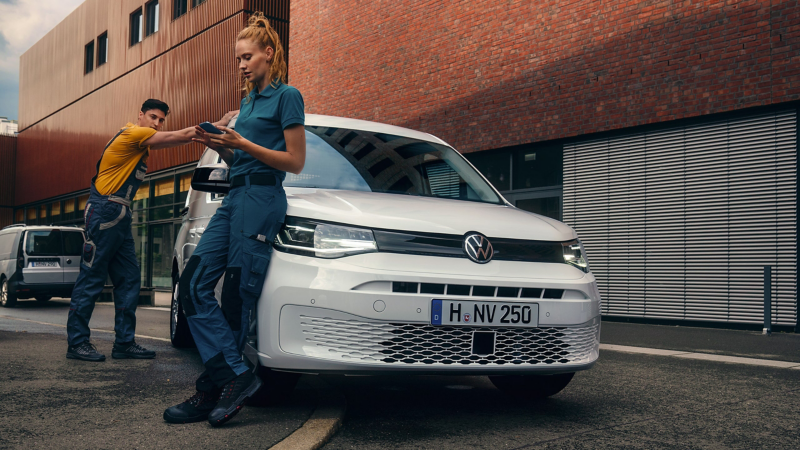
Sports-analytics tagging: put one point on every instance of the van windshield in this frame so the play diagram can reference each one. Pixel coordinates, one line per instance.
(339, 158)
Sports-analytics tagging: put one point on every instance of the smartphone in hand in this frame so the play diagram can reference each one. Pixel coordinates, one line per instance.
(210, 128)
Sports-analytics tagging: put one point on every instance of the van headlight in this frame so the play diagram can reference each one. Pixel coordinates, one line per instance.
(575, 255)
(323, 240)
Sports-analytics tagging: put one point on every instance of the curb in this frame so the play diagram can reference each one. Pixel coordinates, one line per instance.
(323, 423)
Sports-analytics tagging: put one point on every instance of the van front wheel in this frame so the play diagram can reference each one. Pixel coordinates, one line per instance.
(179, 333)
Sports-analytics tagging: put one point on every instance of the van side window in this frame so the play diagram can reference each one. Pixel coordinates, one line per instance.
(73, 243)
(6, 245)
(43, 243)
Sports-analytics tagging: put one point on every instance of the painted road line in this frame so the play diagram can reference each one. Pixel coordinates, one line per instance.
(323, 423)
(702, 356)
(96, 330)
(647, 351)
(741, 360)
(151, 308)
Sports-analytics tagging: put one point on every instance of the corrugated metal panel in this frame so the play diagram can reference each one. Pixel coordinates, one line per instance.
(66, 145)
(679, 223)
(52, 70)
(6, 217)
(8, 153)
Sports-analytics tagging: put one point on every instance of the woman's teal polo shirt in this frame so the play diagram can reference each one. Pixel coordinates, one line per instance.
(262, 118)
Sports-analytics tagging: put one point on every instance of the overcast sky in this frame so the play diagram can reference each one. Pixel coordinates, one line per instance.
(22, 23)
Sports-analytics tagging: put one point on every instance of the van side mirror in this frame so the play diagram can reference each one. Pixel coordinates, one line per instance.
(211, 178)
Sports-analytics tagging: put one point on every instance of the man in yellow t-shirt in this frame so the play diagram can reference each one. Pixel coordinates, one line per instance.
(109, 250)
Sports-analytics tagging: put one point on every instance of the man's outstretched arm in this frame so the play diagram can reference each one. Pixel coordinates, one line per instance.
(167, 139)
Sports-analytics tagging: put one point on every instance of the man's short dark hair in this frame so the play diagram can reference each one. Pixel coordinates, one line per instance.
(152, 103)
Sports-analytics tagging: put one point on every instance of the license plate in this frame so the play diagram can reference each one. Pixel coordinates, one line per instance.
(44, 264)
(496, 314)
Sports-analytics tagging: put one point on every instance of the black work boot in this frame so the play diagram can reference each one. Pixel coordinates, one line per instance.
(131, 350)
(234, 394)
(85, 351)
(195, 409)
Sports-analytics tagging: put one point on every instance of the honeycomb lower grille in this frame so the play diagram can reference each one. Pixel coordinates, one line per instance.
(421, 344)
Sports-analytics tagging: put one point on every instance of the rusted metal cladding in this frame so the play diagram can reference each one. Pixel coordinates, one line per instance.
(8, 151)
(198, 79)
(52, 71)
(6, 217)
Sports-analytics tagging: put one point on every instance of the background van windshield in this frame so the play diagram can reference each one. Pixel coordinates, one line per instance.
(43, 243)
(338, 158)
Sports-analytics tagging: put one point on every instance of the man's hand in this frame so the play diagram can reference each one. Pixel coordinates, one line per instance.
(226, 119)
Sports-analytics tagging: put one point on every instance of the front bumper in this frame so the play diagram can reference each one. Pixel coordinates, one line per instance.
(318, 315)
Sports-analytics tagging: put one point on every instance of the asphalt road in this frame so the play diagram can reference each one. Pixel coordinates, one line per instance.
(53, 402)
(625, 401)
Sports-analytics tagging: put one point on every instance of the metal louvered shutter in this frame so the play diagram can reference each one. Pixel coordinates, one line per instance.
(679, 223)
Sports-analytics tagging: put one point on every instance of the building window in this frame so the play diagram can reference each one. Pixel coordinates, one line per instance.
(538, 166)
(163, 199)
(82, 200)
(88, 59)
(69, 209)
(152, 17)
(197, 2)
(179, 8)
(30, 216)
(20, 216)
(102, 49)
(55, 212)
(495, 166)
(136, 27)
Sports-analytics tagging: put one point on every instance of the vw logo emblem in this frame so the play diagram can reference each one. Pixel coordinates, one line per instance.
(478, 248)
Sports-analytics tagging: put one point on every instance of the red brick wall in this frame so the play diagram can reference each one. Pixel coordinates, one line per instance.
(494, 73)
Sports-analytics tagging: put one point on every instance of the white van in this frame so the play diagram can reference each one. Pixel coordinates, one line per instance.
(38, 262)
(397, 256)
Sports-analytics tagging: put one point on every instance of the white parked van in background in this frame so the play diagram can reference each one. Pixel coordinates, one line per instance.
(397, 256)
(38, 262)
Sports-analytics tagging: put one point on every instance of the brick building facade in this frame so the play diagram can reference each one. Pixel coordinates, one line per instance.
(484, 75)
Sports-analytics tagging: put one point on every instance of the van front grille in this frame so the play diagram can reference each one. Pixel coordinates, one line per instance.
(422, 344)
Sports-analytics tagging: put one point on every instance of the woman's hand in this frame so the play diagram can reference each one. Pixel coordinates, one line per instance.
(204, 138)
(231, 139)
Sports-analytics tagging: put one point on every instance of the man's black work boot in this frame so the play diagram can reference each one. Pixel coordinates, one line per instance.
(234, 394)
(85, 351)
(131, 350)
(195, 409)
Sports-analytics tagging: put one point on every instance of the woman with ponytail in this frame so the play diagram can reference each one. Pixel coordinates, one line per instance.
(268, 142)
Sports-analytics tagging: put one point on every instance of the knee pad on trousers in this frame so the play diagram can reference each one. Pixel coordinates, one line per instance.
(231, 299)
(185, 286)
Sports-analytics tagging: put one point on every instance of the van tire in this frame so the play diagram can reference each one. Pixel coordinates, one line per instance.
(179, 333)
(7, 299)
(531, 387)
(276, 387)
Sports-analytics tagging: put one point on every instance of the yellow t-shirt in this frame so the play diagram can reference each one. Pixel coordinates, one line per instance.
(121, 157)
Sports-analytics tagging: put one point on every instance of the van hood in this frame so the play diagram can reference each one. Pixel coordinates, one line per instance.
(423, 214)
